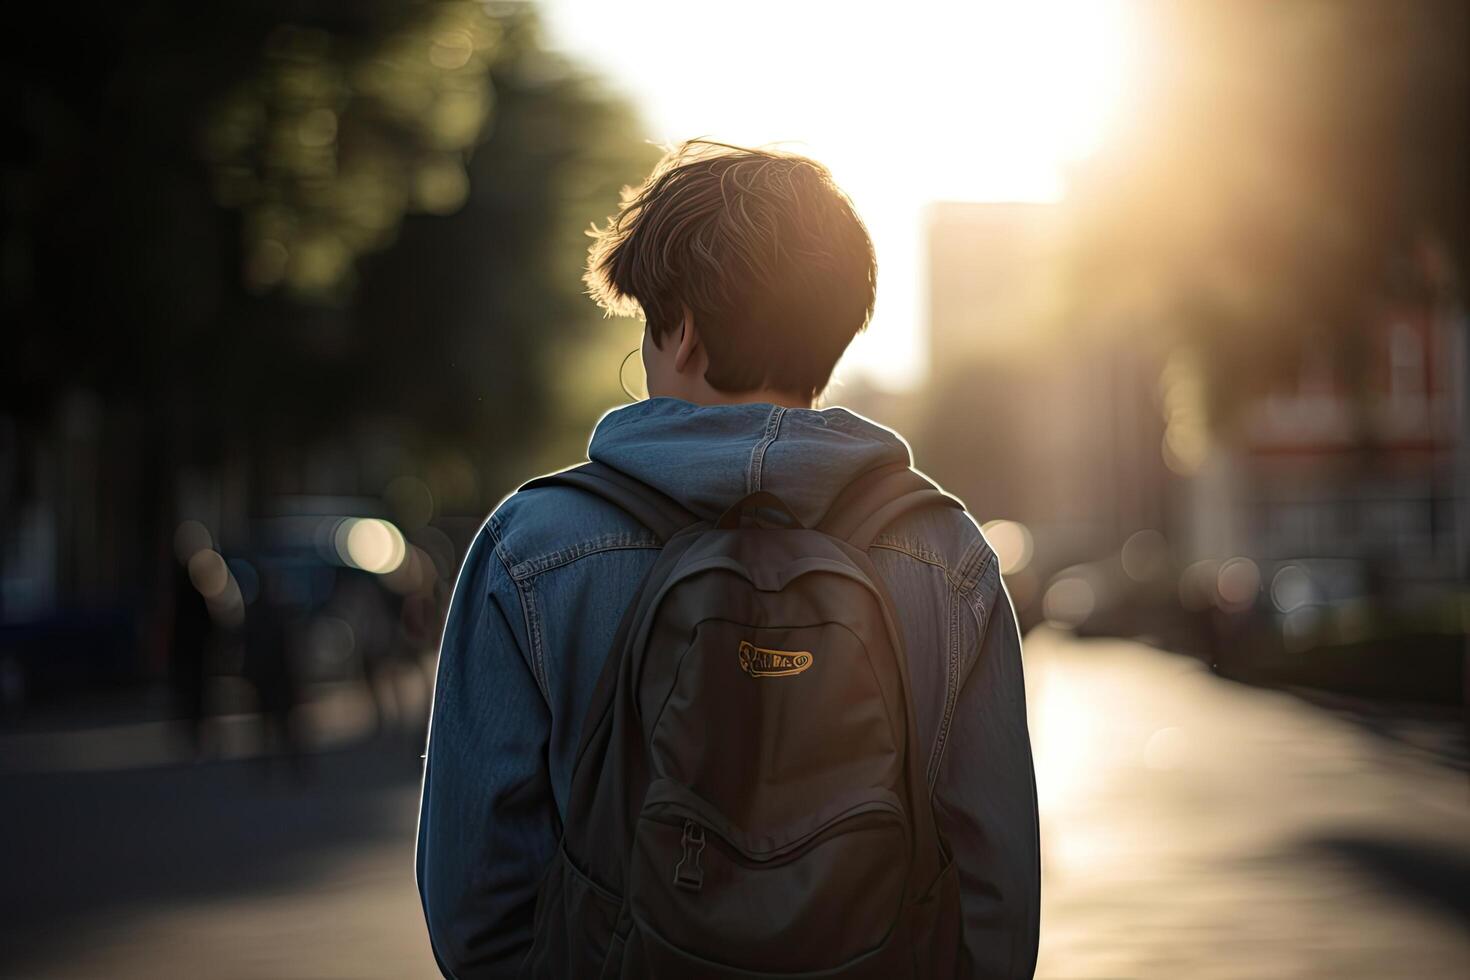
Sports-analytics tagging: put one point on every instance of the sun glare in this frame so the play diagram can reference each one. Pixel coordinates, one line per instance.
(931, 101)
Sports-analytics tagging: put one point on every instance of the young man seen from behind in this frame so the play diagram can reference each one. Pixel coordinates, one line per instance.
(753, 273)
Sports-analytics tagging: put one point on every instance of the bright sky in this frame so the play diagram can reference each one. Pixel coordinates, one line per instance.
(906, 104)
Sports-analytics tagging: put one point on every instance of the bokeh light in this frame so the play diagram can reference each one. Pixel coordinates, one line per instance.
(1238, 583)
(370, 544)
(1291, 588)
(1197, 585)
(190, 538)
(209, 573)
(1145, 556)
(1011, 541)
(1069, 600)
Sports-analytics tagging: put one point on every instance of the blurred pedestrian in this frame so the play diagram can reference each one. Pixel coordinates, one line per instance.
(268, 667)
(188, 651)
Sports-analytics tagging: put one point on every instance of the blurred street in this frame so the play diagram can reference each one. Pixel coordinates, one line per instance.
(1191, 828)
(225, 869)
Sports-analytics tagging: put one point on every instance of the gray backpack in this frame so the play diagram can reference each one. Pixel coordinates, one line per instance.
(748, 797)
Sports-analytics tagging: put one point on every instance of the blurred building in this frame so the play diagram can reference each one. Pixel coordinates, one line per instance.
(1370, 471)
(1061, 437)
(1339, 487)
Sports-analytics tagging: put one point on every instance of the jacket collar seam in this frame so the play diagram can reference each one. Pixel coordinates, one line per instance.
(758, 451)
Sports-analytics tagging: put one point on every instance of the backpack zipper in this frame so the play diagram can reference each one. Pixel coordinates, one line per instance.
(691, 845)
(689, 875)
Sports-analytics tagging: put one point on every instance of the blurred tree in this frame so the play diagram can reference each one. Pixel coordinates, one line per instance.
(333, 138)
(276, 232)
(174, 167)
(1288, 169)
(525, 361)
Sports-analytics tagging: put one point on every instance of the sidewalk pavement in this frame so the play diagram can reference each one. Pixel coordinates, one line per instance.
(1192, 828)
(1197, 828)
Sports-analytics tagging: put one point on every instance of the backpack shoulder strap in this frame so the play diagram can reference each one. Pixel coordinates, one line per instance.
(654, 510)
(878, 498)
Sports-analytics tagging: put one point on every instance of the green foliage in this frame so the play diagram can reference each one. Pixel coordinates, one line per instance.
(276, 232)
(333, 139)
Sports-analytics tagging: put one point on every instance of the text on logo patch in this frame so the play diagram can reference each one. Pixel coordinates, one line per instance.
(760, 662)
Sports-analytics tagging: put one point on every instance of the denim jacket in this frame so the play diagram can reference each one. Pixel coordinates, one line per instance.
(533, 615)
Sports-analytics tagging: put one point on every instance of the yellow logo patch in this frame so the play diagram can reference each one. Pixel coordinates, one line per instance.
(760, 662)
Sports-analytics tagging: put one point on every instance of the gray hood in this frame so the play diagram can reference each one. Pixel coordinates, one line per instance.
(709, 456)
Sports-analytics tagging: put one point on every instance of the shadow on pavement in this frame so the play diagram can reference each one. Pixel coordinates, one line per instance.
(1435, 732)
(80, 846)
(1435, 878)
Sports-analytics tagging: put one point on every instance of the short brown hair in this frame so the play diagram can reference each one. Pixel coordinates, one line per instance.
(762, 246)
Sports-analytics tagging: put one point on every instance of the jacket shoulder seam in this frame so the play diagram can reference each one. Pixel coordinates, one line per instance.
(916, 550)
(494, 527)
(974, 565)
(536, 661)
(529, 568)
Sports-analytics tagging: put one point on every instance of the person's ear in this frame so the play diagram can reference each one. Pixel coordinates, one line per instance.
(688, 341)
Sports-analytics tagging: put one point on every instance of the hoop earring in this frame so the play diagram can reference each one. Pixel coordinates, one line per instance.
(622, 372)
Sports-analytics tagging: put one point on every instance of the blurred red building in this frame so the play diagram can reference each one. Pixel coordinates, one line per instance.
(1350, 470)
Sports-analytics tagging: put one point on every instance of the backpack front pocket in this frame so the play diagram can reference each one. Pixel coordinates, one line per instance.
(805, 897)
